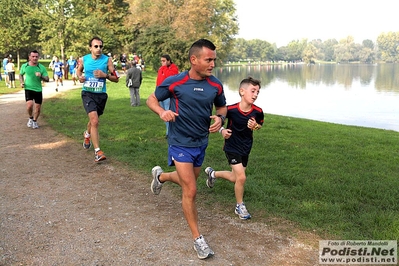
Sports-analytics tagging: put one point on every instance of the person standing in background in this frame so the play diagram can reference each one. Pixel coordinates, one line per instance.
(167, 69)
(123, 60)
(66, 70)
(11, 73)
(31, 76)
(94, 91)
(5, 61)
(72, 65)
(133, 82)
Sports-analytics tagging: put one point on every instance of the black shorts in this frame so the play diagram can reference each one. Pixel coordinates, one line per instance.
(11, 76)
(34, 96)
(94, 102)
(234, 158)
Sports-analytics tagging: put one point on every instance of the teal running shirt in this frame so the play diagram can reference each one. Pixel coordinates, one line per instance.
(93, 84)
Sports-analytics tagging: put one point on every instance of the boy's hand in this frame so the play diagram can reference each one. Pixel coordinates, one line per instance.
(226, 133)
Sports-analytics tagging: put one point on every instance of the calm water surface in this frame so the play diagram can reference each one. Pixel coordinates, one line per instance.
(360, 95)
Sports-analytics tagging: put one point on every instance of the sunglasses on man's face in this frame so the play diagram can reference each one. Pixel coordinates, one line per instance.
(96, 46)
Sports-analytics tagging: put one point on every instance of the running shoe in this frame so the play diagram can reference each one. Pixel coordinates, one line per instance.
(210, 182)
(202, 248)
(34, 125)
(99, 156)
(86, 142)
(156, 185)
(242, 212)
(30, 123)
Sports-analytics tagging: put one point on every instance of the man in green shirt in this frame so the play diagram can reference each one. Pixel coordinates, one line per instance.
(31, 76)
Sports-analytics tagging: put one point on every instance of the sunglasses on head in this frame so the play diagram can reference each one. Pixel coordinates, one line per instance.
(96, 46)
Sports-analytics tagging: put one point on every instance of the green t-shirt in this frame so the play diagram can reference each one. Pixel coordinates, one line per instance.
(32, 82)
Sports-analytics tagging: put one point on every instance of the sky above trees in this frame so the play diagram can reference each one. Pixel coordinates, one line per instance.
(283, 21)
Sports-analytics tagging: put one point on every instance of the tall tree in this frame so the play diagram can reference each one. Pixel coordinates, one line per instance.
(328, 48)
(18, 27)
(186, 21)
(68, 25)
(388, 45)
(309, 54)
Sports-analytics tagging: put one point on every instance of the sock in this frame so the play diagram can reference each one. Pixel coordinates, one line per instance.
(198, 237)
(96, 149)
(34, 120)
(213, 174)
(87, 135)
(31, 117)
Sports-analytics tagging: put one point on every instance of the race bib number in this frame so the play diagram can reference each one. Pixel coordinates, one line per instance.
(93, 85)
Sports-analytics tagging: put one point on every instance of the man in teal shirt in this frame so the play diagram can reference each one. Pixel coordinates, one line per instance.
(96, 67)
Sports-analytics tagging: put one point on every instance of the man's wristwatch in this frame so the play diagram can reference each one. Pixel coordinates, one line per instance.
(223, 118)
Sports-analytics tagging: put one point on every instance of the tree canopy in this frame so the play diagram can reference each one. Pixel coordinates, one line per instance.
(149, 28)
(156, 27)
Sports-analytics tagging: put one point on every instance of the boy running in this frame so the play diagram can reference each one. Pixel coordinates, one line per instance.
(243, 118)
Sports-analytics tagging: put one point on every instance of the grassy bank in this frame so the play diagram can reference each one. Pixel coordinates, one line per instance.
(341, 181)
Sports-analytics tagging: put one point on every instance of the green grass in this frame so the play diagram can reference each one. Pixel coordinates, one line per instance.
(340, 181)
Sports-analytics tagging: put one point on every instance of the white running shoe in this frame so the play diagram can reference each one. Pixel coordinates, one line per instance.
(242, 212)
(30, 123)
(202, 248)
(156, 185)
(210, 181)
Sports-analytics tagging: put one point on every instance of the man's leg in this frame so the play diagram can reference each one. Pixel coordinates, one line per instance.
(37, 111)
(136, 97)
(92, 129)
(29, 107)
(186, 176)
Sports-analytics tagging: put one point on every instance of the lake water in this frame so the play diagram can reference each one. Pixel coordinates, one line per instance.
(350, 94)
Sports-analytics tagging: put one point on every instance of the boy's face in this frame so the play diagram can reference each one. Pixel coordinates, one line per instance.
(249, 93)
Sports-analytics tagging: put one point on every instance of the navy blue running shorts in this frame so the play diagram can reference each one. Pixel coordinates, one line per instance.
(194, 155)
(94, 102)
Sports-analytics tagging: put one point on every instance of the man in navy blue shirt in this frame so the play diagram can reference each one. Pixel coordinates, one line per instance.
(193, 94)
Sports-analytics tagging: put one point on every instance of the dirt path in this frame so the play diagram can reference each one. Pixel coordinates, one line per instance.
(57, 207)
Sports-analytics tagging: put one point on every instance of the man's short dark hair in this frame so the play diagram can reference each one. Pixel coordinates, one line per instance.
(95, 38)
(198, 45)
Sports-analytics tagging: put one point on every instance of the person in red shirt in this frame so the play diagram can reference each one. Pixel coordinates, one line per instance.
(167, 69)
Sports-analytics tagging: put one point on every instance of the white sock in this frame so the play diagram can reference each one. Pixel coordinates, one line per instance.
(96, 149)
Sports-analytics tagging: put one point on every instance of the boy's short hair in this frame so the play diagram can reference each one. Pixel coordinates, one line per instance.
(250, 80)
